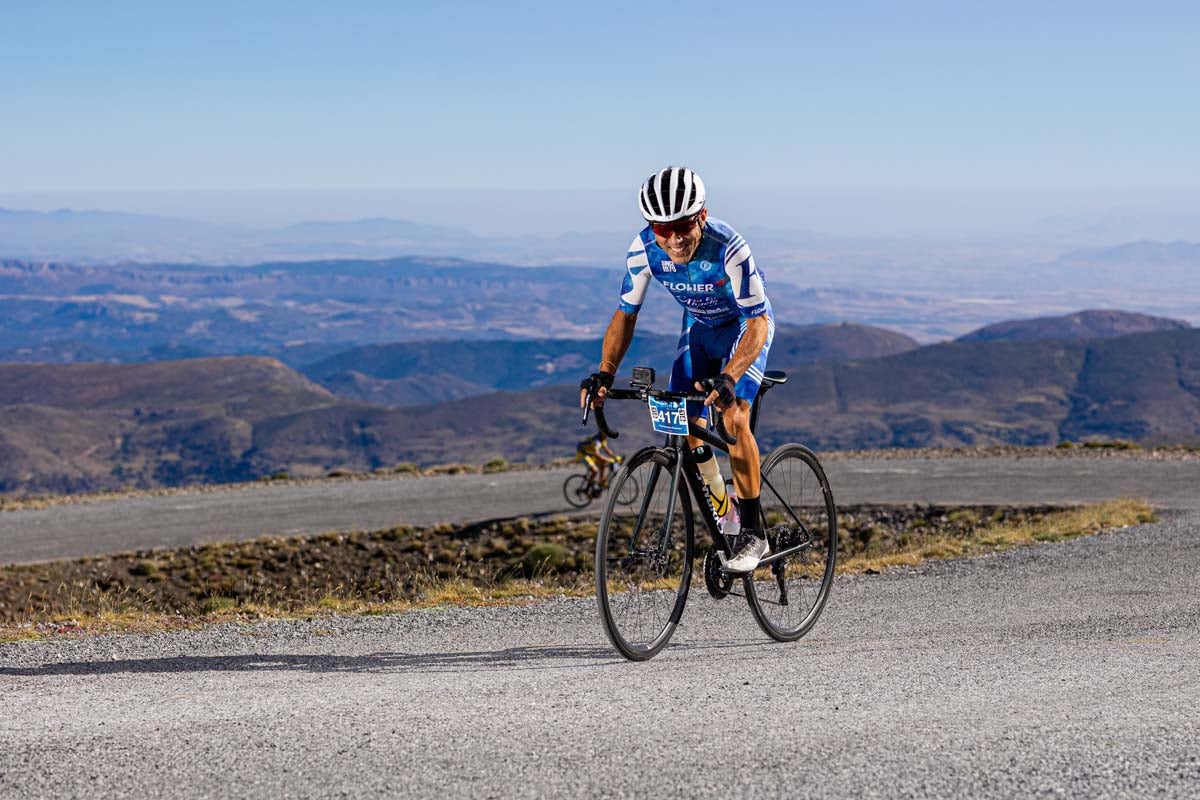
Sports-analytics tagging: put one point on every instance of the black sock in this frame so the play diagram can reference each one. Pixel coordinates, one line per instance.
(751, 513)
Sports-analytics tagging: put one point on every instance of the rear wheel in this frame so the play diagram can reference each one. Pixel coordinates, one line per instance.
(644, 555)
(577, 491)
(787, 595)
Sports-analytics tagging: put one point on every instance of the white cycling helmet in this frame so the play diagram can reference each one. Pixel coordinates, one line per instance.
(671, 194)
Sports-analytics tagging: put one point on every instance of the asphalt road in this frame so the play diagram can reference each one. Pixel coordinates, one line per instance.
(1064, 670)
(246, 512)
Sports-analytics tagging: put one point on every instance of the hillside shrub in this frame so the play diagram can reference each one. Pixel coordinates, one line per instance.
(546, 558)
(146, 568)
(451, 469)
(1114, 444)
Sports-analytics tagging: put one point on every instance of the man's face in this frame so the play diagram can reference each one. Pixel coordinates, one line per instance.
(682, 237)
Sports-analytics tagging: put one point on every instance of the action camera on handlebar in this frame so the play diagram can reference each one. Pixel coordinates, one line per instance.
(643, 377)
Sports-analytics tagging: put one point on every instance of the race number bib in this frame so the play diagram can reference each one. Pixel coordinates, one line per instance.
(668, 416)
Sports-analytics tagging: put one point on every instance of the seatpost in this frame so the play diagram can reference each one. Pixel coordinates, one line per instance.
(754, 407)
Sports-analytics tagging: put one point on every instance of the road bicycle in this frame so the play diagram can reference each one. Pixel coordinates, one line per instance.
(645, 546)
(582, 488)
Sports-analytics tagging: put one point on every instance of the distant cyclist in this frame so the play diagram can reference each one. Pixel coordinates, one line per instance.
(727, 330)
(595, 452)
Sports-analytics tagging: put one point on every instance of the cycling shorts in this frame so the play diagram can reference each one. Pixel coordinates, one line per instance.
(703, 351)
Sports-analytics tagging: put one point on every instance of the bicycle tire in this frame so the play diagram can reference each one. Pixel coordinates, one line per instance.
(641, 585)
(576, 491)
(798, 509)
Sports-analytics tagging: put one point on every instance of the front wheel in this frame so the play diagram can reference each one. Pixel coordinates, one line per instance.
(788, 594)
(644, 555)
(577, 491)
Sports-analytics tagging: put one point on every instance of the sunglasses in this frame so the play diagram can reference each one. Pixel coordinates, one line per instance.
(680, 226)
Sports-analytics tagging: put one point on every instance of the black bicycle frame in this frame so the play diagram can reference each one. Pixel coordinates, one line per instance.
(699, 490)
(696, 484)
(691, 471)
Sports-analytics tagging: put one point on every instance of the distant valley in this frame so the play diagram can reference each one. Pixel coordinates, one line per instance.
(929, 289)
(306, 311)
(303, 312)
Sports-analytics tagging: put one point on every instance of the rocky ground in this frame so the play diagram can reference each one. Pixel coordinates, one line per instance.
(398, 563)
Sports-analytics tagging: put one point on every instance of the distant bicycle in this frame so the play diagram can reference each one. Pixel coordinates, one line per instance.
(645, 545)
(580, 490)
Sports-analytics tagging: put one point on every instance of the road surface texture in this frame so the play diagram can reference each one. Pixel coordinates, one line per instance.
(1064, 670)
(109, 526)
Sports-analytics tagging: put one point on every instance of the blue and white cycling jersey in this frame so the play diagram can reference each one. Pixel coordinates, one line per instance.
(720, 283)
(719, 289)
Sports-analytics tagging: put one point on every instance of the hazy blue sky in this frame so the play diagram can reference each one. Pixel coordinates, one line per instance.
(850, 96)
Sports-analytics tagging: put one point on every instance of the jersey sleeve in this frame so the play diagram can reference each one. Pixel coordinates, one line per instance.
(637, 277)
(744, 278)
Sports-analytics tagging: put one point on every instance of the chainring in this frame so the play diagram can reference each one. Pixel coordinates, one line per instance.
(717, 582)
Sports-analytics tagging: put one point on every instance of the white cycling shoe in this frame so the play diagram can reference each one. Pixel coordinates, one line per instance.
(749, 550)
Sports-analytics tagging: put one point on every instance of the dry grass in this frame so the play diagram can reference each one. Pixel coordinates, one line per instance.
(457, 592)
(991, 538)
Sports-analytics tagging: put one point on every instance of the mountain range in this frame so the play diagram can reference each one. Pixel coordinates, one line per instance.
(1090, 324)
(413, 373)
(105, 236)
(77, 427)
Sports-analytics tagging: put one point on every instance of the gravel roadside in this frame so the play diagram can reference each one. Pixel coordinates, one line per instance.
(1060, 670)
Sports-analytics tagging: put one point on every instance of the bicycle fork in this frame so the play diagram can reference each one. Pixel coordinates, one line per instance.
(658, 556)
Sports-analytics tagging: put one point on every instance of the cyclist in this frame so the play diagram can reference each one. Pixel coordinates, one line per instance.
(728, 326)
(595, 452)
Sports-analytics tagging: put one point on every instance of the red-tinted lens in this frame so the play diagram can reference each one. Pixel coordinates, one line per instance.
(680, 226)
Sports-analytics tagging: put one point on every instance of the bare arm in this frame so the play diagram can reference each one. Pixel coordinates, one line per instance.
(616, 343)
(616, 340)
(748, 348)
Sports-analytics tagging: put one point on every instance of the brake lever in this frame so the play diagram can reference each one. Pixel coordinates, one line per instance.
(725, 435)
(587, 407)
(718, 416)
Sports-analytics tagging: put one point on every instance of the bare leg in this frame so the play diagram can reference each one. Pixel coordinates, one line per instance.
(743, 456)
